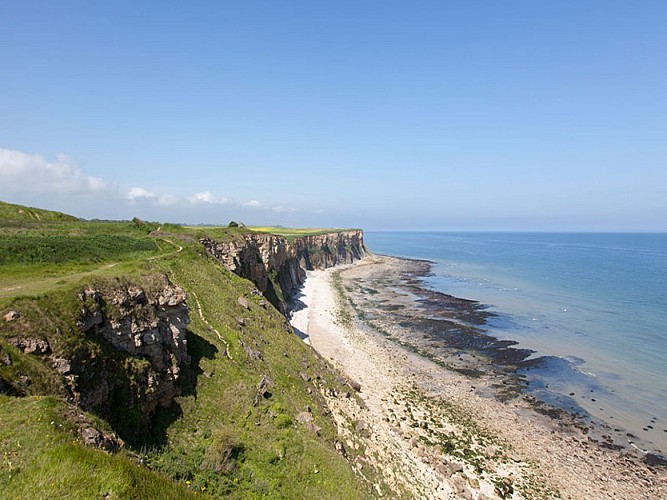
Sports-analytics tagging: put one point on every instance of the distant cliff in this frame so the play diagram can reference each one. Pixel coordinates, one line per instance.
(277, 265)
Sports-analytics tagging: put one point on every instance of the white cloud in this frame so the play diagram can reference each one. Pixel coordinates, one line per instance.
(205, 197)
(208, 197)
(138, 193)
(60, 184)
(31, 173)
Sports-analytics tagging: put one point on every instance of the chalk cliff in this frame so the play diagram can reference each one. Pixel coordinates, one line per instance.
(277, 265)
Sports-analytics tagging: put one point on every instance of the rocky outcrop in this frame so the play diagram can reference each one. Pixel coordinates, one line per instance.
(118, 347)
(277, 265)
(147, 323)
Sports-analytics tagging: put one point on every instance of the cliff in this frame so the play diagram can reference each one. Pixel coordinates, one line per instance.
(98, 354)
(117, 347)
(277, 265)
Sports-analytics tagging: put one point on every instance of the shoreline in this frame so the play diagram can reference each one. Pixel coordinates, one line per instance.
(437, 409)
(522, 370)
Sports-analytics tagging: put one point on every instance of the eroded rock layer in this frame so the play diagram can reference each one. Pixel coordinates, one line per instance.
(277, 265)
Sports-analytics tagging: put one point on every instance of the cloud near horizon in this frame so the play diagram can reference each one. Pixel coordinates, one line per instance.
(32, 179)
(31, 173)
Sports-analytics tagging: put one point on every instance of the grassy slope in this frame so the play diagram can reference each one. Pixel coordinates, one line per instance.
(42, 457)
(218, 439)
(19, 212)
(36, 257)
(279, 455)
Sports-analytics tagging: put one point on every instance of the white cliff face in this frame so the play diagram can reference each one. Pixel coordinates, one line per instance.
(272, 261)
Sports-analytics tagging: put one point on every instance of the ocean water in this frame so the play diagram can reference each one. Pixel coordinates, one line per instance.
(595, 303)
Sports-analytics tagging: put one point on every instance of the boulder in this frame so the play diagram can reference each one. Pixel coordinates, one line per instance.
(11, 316)
(31, 345)
(340, 448)
(304, 417)
(263, 387)
(243, 302)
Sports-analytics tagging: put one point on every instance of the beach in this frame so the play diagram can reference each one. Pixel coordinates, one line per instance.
(446, 416)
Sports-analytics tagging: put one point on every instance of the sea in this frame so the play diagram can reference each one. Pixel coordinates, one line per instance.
(593, 304)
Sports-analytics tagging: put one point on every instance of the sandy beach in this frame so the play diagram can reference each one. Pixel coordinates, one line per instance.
(447, 422)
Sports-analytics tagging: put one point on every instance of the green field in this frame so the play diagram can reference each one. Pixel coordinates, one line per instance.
(291, 233)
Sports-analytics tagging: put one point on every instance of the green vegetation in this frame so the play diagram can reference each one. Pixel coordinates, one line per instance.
(223, 436)
(43, 457)
(21, 213)
(27, 249)
(291, 233)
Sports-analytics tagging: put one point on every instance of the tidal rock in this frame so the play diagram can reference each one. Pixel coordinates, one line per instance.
(655, 460)
(354, 384)
(504, 488)
(491, 451)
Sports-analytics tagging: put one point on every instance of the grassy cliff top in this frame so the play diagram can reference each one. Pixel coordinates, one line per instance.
(9, 211)
(291, 232)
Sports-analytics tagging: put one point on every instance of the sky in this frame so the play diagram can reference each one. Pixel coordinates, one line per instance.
(385, 115)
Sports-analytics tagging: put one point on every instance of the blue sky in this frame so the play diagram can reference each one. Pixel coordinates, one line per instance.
(516, 115)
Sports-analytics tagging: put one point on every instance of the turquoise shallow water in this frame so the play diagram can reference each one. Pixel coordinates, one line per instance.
(595, 302)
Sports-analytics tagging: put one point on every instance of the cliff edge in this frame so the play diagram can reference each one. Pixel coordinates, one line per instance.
(277, 265)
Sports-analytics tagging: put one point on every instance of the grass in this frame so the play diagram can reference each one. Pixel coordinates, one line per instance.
(41, 256)
(21, 213)
(220, 438)
(43, 457)
(292, 233)
(279, 456)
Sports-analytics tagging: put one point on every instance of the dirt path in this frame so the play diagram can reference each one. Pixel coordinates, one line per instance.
(201, 316)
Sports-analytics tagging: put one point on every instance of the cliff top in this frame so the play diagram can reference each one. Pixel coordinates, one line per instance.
(290, 232)
(9, 211)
